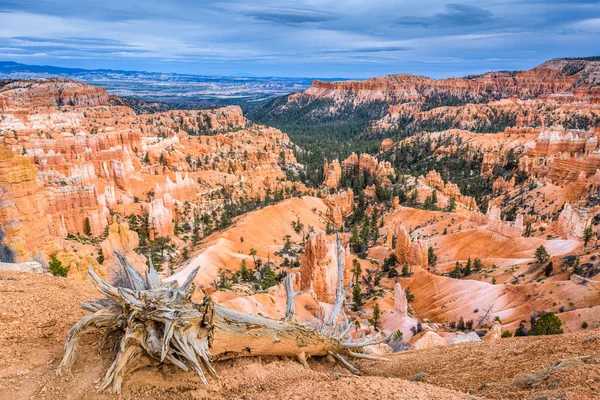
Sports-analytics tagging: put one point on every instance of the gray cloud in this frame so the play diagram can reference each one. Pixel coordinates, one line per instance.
(298, 37)
(288, 16)
(455, 15)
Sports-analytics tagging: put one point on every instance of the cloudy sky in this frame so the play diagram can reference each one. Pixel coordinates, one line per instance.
(311, 38)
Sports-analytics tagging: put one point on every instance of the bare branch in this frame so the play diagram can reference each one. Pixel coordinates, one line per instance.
(345, 363)
(339, 293)
(367, 356)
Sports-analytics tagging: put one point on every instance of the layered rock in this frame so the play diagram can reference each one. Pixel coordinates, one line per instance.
(161, 219)
(426, 340)
(339, 206)
(333, 174)
(23, 207)
(50, 93)
(122, 239)
(367, 164)
(319, 266)
(449, 189)
(502, 185)
(493, 221)
(557, 140)
(495, 332)
(409, 251)
(400, 302)
(572, 222)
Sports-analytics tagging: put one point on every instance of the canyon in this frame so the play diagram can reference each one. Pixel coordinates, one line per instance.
(474, 210)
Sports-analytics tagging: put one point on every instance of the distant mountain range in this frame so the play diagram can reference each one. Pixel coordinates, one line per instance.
(190, 91)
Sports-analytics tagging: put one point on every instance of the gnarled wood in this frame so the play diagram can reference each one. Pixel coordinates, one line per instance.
(159, 321)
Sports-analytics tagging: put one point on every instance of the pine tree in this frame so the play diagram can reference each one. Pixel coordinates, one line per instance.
(546, 324)
(541, 254)
(56, 267)
(356, 297)
(244, 273)
(269, 278)
(356, 270)
(87, 227)
(376, 319)
(467, 269)
(431, 257)
(405, 270)
(587, 235)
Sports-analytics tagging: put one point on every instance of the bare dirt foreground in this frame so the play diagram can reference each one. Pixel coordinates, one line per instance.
(37, 311)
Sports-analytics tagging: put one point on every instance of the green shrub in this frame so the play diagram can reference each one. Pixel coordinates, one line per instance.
(506, 334)
(546, 324)
(56, 268)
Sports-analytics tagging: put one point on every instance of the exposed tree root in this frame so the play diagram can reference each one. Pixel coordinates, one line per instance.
(157, 320)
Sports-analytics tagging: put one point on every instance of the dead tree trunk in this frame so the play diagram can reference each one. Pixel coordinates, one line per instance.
(158, 320)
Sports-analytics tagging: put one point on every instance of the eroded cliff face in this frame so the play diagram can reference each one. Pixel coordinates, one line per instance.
(411, 252)
(70, 159)
(552, 77)
(319, 266)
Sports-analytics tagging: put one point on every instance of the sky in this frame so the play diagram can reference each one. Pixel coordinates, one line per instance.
(302, 38)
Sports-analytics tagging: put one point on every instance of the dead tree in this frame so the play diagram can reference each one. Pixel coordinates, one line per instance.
(156, 321)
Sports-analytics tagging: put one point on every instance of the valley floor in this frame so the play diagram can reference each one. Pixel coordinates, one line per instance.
(36, 312)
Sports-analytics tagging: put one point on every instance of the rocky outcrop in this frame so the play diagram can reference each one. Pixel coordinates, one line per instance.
(122, 239)
(161, 219)
(23, 207)
(426, 340)
(502, 185)
(409, 251)
(491, 160)
(461, 337)
(572, 222)
(50, 93)
(367, 164)
(386, 144)
(400, 302)
(333, 174)
(493, 221)
(339, 206)
(449, 189)
(31, 266)
(318, 267)
(495, 332)
(557, 140)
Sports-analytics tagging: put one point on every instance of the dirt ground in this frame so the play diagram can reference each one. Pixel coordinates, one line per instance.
(36, 311)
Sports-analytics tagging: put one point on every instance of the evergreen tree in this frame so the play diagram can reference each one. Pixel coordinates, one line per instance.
(546, 324)
(452, 204)
(548, 269)
(356, 270)
(457, 271)
(87, 227)
(244, 273)
(467, 270)
(376, 319)
(56, 267)
(541, 254)
(100, 257)
(405, 270)
(356, 297)
(431, 257)
(522, 330)
(588, 234)
(269, 278)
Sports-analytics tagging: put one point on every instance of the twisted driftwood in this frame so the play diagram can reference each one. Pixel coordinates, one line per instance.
(155, 321)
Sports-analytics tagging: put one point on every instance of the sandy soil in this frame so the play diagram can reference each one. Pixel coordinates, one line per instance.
(36, 312)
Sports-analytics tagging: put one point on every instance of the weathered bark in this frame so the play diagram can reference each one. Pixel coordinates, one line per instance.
(158, 320)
